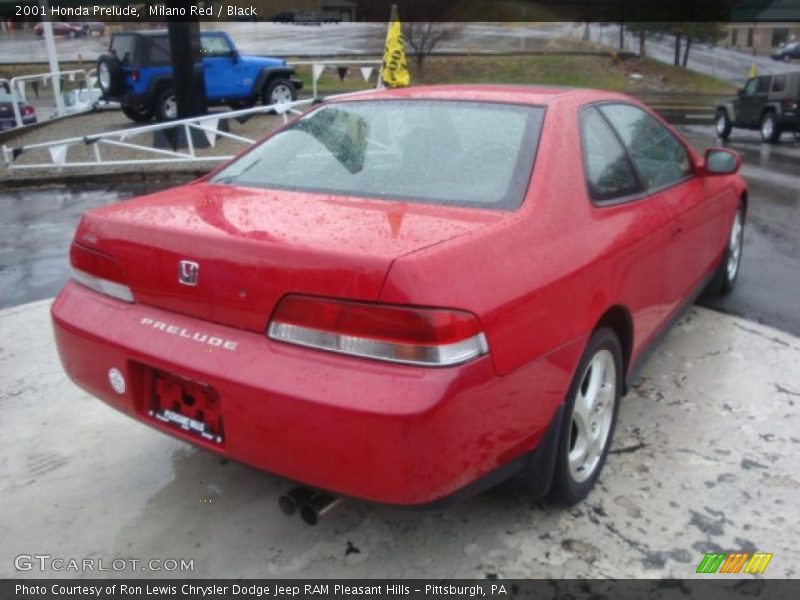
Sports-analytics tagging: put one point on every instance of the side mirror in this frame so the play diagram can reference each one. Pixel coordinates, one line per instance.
(721, 161)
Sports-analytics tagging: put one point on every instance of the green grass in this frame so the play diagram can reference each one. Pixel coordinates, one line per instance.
(602, 72)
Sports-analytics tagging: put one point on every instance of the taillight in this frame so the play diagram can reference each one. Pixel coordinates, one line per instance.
(402, 334)
(135, 75)
(790, 104)
(28, 110)
(98, 272)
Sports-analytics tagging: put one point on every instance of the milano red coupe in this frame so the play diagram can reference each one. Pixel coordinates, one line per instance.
(406, 296)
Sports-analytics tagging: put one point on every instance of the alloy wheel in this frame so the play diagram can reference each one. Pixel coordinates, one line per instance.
(171, 107)
(735, 246)
(281, 94)
(592, 416)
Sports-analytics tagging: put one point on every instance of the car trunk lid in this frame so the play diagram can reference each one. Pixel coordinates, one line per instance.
(252, 247)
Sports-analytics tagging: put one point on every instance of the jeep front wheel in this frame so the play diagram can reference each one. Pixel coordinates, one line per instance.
(279, 91)
(723, 124)
(166, 107)
(140, 113)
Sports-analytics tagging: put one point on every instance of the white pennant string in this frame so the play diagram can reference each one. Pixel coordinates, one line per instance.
(211, 136)
(58, 154)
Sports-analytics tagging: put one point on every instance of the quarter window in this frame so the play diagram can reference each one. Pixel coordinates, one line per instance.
(779, 83)
(608, 171)
(660, 158)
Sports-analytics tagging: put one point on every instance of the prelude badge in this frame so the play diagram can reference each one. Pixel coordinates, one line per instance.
(188, 272)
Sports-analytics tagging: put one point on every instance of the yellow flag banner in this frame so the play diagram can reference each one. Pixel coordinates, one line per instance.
(394, 71)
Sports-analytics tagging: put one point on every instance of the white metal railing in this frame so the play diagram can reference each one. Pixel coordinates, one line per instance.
(207, 124)
(318, 67)
(18, 84)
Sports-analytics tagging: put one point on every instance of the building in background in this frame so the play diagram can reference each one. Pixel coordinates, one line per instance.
(761, 38)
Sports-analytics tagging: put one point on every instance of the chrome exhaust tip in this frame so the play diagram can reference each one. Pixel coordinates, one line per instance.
(317, 507)
(291, 501)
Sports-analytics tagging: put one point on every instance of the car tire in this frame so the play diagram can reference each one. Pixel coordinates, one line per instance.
(140, 114)
(724, 279)
(109, 75)
(277, 91)
(722, 124)
(770, 131)
(166, 107)
(590, 417)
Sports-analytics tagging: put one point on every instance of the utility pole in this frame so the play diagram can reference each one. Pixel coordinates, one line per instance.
(184, 43)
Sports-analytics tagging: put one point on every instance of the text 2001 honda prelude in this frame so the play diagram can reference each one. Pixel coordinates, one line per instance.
(407, 295)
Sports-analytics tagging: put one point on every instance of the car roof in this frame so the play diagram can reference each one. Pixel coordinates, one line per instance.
(511, 94)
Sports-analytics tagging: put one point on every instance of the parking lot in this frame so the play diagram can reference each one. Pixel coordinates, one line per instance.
(703, 458)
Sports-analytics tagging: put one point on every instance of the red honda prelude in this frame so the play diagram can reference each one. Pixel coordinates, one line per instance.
(407, 296)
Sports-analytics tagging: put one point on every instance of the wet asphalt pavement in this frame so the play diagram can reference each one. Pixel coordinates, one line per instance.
(36, 227)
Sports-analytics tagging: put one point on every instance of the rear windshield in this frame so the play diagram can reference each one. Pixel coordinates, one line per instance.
(443, 152)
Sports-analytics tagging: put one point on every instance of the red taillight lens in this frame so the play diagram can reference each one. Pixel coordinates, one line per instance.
(99, 272)
(28, 110)
(425, 336)
(135, 75)
(790, 104)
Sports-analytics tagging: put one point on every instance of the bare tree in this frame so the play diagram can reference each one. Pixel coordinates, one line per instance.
(422, 38)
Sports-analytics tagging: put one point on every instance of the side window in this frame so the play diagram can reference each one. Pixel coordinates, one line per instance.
(750, 87)
(763, 85)
(659, 156)
(779, 83)
(609, 173)
(122, 48)
(159, 52)
(214, 45)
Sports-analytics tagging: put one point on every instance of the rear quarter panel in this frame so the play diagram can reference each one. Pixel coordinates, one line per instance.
(543, 277)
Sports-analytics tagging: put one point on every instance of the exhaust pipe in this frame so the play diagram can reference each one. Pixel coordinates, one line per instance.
(291, 501)
(317, 507)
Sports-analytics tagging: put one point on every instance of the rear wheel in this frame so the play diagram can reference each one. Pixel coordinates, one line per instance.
(770, 131)
(140, 114)
(590, 417)
(166, 108)
(723, 124)
(724, 278)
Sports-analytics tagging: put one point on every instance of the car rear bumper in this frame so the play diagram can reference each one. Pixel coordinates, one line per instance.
(387, 433)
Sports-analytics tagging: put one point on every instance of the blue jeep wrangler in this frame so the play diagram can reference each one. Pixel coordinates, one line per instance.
(137, 73)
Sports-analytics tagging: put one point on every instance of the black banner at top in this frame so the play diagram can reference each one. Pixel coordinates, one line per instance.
(311, 12)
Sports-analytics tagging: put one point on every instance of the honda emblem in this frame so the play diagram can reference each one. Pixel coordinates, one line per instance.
(188, 272)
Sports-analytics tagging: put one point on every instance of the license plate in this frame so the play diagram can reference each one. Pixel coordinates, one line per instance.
(190, 406)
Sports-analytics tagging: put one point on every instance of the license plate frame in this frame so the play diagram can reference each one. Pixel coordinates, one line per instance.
(191, 407)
